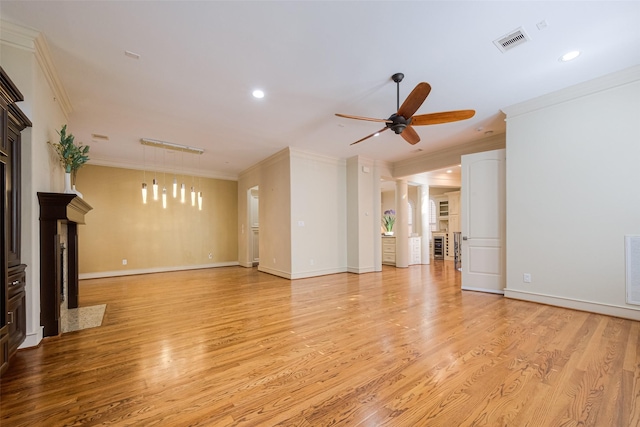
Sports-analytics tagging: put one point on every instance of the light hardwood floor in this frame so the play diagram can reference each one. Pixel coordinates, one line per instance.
(405, 347)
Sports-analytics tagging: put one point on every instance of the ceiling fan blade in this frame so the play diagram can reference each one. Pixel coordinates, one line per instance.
(410, 135)
(414, 100)
(369, 136)
(443, 117)
(346, 116)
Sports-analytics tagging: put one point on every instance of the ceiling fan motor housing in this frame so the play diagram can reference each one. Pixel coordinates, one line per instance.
(398, 123)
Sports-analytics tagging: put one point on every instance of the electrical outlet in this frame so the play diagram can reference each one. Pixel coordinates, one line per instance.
(526, 277)
(124, 261)
(210, 255)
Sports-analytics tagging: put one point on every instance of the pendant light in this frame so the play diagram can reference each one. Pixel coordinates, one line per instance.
(155, 186)
(155, 189)
(144, 193)
(144, 176)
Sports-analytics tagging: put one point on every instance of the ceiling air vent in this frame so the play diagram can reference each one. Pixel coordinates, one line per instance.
(511, 40)
(97, 137)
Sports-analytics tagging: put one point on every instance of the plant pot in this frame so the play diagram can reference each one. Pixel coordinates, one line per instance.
(68, 188)
(67, 184)
(388, 233)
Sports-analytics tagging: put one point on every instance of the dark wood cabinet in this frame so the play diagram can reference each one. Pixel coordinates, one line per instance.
(13, 278)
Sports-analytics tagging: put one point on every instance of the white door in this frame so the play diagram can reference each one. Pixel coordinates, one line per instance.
(482, 205)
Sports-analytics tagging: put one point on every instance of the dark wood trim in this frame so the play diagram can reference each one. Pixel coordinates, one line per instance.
(72, 265)
(8, 90)
(56, 208)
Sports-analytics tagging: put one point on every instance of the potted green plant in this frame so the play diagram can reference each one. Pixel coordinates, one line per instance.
(72, 157)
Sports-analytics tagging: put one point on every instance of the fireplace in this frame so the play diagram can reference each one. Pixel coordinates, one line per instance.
(57, 212)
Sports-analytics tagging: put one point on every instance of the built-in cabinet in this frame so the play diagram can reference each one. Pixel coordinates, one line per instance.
(453, 199)
(13, 321)
(389, 250)
(448, 222)
(415, 250)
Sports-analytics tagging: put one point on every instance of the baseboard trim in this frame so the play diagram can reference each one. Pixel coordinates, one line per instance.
(33, 339)
(117, 273)
(363, 270)
(315, 273)
(274, 272)
(575, 304)
(491, 291)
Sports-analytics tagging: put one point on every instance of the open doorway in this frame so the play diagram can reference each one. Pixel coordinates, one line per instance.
(254, 225)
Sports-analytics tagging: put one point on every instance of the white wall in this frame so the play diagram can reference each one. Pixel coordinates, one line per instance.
(318, 214)
(573, 181)
(303, 214)
(275, 215)
(40, 171)
(363, 204)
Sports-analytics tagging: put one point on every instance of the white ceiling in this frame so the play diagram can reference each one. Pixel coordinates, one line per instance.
(200, 61)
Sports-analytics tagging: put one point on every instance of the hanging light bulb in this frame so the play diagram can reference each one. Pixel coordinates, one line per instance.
(182, 193)
(155, 189)
(144, 193)
(200, 200)
(175, 187)
(193, 196)
(164, 197)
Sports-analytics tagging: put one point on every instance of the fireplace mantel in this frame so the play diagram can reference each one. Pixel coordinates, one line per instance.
(54, 208)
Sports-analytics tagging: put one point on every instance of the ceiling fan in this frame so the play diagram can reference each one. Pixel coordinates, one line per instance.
(403, 121)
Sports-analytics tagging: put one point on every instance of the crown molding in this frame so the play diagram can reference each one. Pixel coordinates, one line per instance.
(297, 153)
(619, 78)
(132, 166)
(43, 56)
(33, 41)
(17, 36)
(447, 157)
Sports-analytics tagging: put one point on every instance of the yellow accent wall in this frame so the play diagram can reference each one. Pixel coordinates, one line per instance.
(149, 237)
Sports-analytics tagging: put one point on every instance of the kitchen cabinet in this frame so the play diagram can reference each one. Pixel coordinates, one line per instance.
(453, 199)
(415, 250)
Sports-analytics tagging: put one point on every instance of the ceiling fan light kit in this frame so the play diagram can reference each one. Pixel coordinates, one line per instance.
(403, 121)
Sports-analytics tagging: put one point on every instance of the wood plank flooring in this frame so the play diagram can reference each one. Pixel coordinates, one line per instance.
(406, 347)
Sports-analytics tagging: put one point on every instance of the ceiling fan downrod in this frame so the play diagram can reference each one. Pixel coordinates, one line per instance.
(397, 77)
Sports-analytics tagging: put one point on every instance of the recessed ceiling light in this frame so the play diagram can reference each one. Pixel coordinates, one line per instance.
(449, 171)
(569, 56)
(258, 94)
(376, 134)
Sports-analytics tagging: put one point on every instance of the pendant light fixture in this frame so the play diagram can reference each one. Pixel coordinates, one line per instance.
(144, 176)
(183, 149)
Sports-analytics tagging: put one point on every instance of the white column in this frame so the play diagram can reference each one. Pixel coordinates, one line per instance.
(425, 232)
(401, 226)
